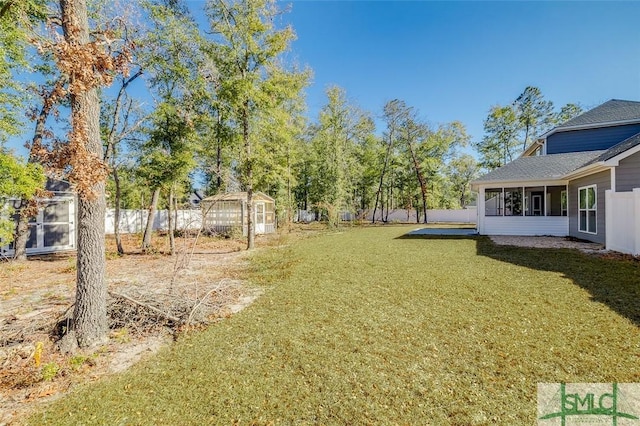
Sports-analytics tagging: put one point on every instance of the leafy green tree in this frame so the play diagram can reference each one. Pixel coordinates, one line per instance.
(173, 58)
(500, 142)
(439, 146)
(280, 154)
(415, 157)
(18, 179)
(17, 20)
(534, 113)
(166, 158)
(509, 130)
(393, 114)
(335, 141)
(567, 112)
(460, 172)
(252, 79)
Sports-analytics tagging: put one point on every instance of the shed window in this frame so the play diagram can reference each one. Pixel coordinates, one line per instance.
(587, 209)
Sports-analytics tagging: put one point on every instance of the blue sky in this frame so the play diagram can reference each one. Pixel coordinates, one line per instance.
(453, 60)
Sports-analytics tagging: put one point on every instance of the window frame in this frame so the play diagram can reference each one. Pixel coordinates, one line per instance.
(587, 209)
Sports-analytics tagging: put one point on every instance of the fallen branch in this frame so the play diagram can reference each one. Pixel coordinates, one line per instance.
(201, 301)
(147, 306)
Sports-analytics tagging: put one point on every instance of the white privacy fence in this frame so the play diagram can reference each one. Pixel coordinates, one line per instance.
(134, 221)
(468, 215)
(623, 221)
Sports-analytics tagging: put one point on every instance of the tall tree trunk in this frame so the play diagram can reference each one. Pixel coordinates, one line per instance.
(219, 154)
(251, 231)
(384, 170)
(172, 240)
(116, 218)
(175, 212)
(421, 180)
(28, 207)
(289, 198)
(90, 313)
(526, 137)
(22, 233)
(148, 230)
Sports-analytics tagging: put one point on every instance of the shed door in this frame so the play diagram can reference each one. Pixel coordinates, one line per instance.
(52, 229)
(57, 226)
(260, 228)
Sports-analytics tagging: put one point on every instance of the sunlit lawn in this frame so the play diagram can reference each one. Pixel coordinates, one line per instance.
(365, 327)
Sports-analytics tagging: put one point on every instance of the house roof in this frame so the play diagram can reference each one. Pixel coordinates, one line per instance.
(238, 196)
(541, 167)
(618, 149)
(613, 111)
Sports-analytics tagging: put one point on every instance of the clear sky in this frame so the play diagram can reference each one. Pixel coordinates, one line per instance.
(453, 60)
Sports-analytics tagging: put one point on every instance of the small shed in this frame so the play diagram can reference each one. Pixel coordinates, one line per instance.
(226, 212)
(53, 229)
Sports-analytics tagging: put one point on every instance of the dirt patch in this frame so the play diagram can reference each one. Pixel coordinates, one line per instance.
(545, 242)
(201, 284)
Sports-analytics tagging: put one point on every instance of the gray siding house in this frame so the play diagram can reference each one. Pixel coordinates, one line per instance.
(565, 182)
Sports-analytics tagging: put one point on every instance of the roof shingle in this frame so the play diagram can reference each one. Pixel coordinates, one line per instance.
(542, 167)
(612, 111)
(623, 146)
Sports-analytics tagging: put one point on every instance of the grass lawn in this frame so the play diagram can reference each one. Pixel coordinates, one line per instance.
(365, 326)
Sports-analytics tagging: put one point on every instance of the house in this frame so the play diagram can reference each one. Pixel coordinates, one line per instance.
(53, 229)
(195, 198)
(228, 211)
(580, 179)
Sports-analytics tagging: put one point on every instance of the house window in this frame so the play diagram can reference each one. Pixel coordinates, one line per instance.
(563, 202)
(587, 209)
(493, 202)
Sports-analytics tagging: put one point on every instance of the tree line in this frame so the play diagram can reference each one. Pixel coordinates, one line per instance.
(135, 104)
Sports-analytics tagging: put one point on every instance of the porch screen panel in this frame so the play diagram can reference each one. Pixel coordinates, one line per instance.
(556, 198)
(513, 201)
(493, 202)
(534, 201)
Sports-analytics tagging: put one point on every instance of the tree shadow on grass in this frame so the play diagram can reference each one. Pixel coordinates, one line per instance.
(614, 282)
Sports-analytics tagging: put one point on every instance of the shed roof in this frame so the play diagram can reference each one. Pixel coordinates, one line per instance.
(238, 196)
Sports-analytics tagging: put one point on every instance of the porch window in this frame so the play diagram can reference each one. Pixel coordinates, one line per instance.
(493, 202)
(534, 201)
(556, 200)
(587, 209)
(513, 201)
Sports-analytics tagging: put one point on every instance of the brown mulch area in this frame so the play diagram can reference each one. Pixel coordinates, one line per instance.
(152, 298)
